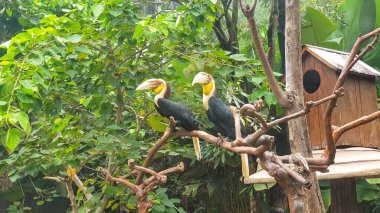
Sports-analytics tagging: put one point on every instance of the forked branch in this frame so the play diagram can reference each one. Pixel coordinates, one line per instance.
(330, 149)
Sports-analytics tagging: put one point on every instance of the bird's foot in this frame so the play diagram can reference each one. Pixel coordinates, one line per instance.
(220, 140)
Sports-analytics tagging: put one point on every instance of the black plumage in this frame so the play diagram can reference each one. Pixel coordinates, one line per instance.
(221, 115)
(179, 112)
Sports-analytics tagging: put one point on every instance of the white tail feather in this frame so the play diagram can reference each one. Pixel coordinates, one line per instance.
(244, 165)
(197, 148)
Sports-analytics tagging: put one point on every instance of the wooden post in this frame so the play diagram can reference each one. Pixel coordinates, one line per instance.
(343, 196)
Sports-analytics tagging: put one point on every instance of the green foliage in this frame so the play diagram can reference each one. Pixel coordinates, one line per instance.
(316, 29)
(74, 68)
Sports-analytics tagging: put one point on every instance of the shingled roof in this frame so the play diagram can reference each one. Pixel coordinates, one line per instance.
(337, 60)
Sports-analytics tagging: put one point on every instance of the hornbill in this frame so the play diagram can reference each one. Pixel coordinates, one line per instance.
(184, 117)
(219, 113)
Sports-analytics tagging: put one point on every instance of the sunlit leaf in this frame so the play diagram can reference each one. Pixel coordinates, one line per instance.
(13, 139)
(155, 121)
(97, 9)
(23, 119)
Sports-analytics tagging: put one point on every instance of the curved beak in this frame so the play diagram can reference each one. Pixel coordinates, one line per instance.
(149, 84)
(201, 78)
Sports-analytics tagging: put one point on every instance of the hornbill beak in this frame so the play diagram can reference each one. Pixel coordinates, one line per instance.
(149, 84)
(201, 78)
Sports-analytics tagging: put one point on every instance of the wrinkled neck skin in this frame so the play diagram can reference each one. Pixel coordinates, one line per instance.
(209, 91)
(160, 93)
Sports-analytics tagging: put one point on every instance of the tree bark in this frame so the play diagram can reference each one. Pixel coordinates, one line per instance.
(298, 135)
(343, 196)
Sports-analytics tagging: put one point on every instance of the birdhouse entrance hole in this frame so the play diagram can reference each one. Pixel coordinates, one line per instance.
(311, 81)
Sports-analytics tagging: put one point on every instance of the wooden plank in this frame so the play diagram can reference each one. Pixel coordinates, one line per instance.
(349, 111)
(328, 80)
(351, 162)
(368, 102)
(312, 117)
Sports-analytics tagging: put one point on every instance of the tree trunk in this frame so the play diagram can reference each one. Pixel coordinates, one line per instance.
(343, 196)
(298, 133)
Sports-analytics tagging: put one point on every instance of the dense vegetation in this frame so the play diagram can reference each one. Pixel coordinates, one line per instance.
(69, 70)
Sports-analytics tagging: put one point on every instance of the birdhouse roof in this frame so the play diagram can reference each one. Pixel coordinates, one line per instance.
(337, 60)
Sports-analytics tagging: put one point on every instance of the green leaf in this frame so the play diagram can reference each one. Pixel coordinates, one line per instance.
(23, 119)
(13, 139)
(75, 38)
(97, 9)
(239, 57)
(373, 180)
(35, 59)
(316, 27)
(116, 12)
(366, 191)
(359, 17)
(159, 208)
(139, 30)
(155, 121)
(258, 79)
(180, 65)
(40, 203)
(2, 103)
(263, 186)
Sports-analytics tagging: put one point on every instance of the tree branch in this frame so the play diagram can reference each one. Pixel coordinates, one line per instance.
(277, 91)
(109, 177)
(167, 134)
(330, 148)
(71, 196)
(250, 110)
(338, 132)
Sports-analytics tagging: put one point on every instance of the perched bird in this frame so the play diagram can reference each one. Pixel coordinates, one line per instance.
(183, 116)
(219, 113)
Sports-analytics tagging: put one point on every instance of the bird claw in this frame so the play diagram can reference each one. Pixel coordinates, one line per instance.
(220, 140)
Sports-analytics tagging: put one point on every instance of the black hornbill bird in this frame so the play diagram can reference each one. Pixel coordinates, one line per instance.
(219, 113)
(184, 117)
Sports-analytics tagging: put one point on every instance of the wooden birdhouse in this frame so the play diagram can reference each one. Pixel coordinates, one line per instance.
(321, 69)
(357, 154)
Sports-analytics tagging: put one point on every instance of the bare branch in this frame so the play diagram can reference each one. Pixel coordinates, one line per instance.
(167, 134)
(110, 178)
(337, 133)
(279, 93)
(249, 109)
(57, 179)
(71, 196)
(132, 165)
(330, 149)
(79, 183)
